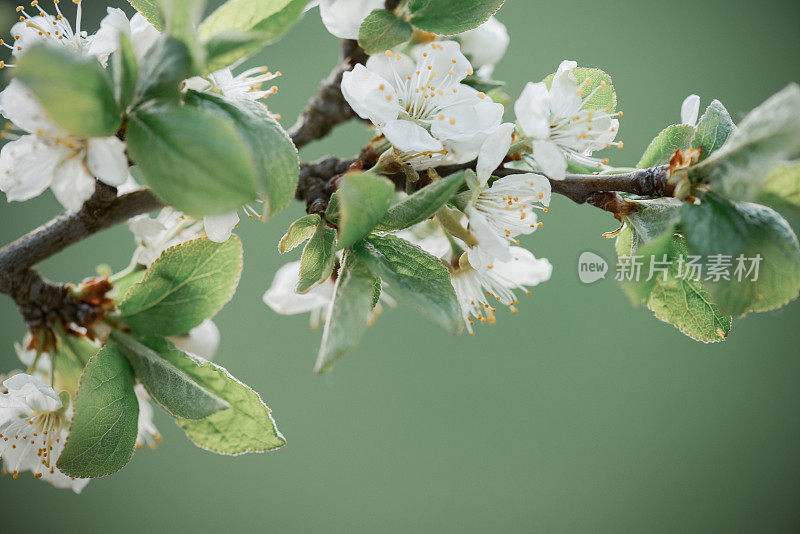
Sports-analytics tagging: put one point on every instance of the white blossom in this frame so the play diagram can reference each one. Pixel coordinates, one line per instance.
(690, 109)
(473, 287)
(141, 34)
(499, 213)
(283, 298)
(50, 157)
(40, 26)
(34, 426)
(155, 235)
(343, 18)
(559, 124)
(421, 106)
(485, 45)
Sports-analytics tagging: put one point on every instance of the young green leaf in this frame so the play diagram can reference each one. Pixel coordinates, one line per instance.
(151, 10)
(247, 426)
(382, 30)
(663, 147)
(782, 187)
(448, 17)
(194, 160)
(416, 276)
(105, 421)
(190, 282)
(300, 231)
(319, 256)
(713, 130)
(349, 312)
(276, 159)
(124, 71)
(748, 235)
(597, 84)
(421, 205)
(653, 219)
(82, 101)
(163, 69)
(181, 18)
(769, 135)
(265, 20)
(171, 387)
(363, 200)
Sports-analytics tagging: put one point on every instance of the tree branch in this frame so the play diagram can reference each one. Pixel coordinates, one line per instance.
(328, 108)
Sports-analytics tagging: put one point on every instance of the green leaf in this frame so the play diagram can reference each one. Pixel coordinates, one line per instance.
(105, 421)
(663, 147)
(415, 276)
(484, 85)
(448, 17)
(228, 47)
(349, 313)
(163, 69)
(782, 187)
(684, 302)
(382, 30)
(363, 200)
(599, 83)
(719, 227)
(74, 90)
(264, 20)
(151, 10)
(421, 205)
(319, 256)
(193, 160)
(653, 219)
(247, 426)
(190, 282)
(276, 159)
(300, 231)
(768, 136)
(713, 130)
(181, 17)
(173, 389)
(124, 71)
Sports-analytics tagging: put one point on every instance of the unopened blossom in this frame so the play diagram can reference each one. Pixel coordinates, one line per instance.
(50, 157)
(283, 298)
(201, 341)
(500, 212)
(690, 109)
(34, 425)
(343, 18)
(476, 290)
(560, 126)
(141, 34)
(420, 104)
(485, 45)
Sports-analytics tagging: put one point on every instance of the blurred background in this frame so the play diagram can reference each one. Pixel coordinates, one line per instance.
(581, 414)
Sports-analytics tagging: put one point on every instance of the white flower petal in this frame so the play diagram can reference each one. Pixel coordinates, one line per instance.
(523, 268)
(27, 390)
(343, 18)
(27, 167)
(72, 184)
(409, 137)
(370, 95)
(282, 297)
(219, 227)
(106, 159)
(493, 151)
(690, 109)
(550, 159)
(533, 110)
(487, 44)
(202, 340)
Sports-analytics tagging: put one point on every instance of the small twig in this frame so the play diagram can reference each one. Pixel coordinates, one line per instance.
(329, 107)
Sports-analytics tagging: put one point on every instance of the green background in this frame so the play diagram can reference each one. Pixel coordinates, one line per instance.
(580, 414)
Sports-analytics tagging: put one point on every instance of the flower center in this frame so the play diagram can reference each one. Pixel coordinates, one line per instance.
(32, 442)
